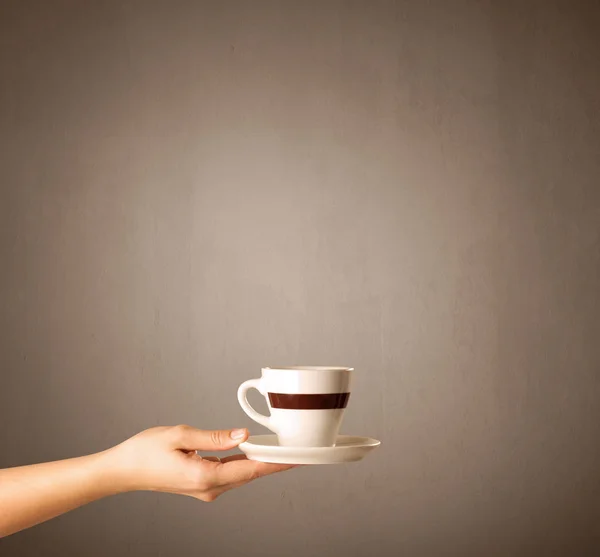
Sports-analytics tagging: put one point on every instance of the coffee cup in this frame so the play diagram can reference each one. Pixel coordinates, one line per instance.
(306, 404)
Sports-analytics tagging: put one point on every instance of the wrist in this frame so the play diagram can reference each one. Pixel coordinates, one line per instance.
(110, 473)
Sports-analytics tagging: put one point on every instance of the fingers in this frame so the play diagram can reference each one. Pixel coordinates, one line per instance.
(190, 439)
(239, 470)
(211, 458)
(268, 468)
(222, 475)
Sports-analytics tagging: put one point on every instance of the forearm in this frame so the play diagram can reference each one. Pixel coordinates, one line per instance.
(32, 494)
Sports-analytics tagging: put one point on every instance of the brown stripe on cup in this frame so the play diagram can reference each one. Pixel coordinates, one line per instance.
(328, 401)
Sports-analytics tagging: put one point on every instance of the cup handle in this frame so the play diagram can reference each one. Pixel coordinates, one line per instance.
(242, 395)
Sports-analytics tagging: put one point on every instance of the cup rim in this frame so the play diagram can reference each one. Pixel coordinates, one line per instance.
(309, 368)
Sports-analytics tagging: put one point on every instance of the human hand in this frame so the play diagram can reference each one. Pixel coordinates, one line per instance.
(165, 459)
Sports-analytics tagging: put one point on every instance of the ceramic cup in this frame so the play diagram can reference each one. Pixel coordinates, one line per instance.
(306, 403)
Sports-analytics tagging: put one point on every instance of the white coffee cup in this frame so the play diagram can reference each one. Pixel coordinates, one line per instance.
(306, 403)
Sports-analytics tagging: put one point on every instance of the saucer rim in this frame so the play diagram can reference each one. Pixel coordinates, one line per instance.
(340, 454)
(361, 441)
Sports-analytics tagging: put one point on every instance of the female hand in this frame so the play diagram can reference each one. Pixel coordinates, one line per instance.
(165, 459)
(158, 459)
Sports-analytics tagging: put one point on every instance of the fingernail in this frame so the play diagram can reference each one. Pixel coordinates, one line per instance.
(238, 433)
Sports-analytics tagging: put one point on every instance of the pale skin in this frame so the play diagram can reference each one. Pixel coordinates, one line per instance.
(159, 459)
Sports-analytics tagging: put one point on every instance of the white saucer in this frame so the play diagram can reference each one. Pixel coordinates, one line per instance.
(348, 448)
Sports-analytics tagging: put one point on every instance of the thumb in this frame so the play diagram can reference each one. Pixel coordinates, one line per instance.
(192, 439)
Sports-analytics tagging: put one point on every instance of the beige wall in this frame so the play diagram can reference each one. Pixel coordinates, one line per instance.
(191, 190)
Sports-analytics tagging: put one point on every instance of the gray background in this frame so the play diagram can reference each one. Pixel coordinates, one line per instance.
(192, 190)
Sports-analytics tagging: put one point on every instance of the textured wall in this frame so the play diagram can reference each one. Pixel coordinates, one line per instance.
(191, 190)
